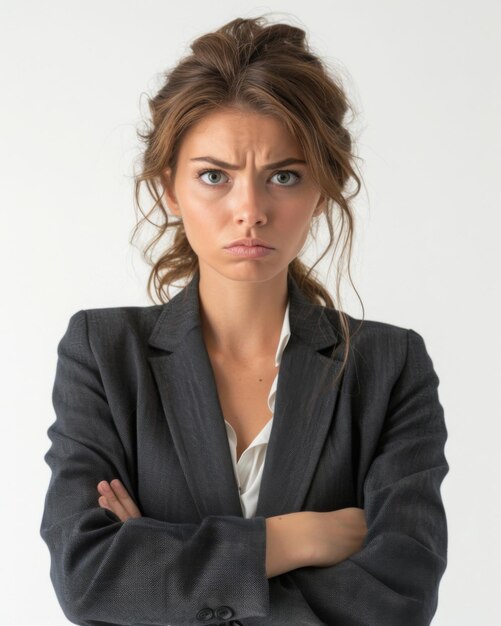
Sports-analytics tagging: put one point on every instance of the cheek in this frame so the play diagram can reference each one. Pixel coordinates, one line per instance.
(202, 224)
(295, 220)
(197, 212)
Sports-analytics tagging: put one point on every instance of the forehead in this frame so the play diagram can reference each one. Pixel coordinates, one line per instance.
(237, 130)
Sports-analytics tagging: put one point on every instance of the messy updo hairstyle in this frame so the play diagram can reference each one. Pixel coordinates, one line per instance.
(268, 68)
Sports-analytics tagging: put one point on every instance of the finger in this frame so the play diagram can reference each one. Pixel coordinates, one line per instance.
(124, 497)
(119, 499)
(114, 503)
(103, 502)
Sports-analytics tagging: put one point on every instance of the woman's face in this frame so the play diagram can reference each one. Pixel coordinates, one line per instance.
(245, 196)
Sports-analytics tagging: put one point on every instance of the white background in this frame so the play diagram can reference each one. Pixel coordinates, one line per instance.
(425, 82)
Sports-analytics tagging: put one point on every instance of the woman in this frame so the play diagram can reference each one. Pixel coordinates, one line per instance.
(191, 483)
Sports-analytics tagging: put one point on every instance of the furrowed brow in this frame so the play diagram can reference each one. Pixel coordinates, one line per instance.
(231, 166)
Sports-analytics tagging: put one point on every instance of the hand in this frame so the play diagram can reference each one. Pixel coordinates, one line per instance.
(116, 498)
(336, 535)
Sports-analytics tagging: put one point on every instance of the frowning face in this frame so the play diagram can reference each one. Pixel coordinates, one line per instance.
(243, 175)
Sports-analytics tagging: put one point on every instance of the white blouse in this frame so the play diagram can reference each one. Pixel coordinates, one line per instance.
(249, 468)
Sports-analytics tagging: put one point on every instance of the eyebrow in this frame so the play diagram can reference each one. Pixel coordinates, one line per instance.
(230, 166)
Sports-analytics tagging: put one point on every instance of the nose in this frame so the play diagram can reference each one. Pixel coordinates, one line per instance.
(249, 202)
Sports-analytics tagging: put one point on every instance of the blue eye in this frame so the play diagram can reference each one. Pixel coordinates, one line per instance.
(288, 173)
(212, 173)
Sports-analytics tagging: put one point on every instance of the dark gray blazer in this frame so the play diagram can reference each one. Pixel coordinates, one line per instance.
(135, 399)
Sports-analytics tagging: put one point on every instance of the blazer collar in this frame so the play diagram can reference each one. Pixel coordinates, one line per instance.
(188, 392)
(310, 322)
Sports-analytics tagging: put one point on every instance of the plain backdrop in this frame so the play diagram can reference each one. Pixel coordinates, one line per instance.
(424, 80)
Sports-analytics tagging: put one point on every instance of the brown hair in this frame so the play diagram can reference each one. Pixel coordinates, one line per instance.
(265, 68)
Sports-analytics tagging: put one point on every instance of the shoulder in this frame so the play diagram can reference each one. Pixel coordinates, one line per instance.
(112, 326)
(123, 315)
(367, 331)
(381, 346)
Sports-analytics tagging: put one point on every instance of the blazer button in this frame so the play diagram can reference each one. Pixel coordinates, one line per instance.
(204, 615)
(224, 612)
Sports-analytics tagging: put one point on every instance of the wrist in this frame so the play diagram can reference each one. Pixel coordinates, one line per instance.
(294, 539)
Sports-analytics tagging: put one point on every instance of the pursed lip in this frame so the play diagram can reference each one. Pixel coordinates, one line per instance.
(249, 242)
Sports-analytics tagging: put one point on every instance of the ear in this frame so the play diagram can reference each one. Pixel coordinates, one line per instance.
(319, 209)
(169, 194)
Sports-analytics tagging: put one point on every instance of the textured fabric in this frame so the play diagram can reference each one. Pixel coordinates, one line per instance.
(135, 398)
(249, 467)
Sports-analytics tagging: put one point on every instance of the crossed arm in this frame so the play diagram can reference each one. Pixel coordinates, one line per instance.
(301, 539)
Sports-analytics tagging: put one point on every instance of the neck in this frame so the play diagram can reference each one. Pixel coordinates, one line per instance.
(241, 319)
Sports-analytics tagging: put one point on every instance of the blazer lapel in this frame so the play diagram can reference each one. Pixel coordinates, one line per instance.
(188, 392)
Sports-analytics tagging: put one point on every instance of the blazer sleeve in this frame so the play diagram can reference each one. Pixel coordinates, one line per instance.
(394, 578)
(141, 571)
